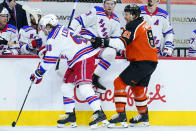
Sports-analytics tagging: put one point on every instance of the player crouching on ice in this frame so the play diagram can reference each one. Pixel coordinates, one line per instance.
(141, 52)
(80, 58)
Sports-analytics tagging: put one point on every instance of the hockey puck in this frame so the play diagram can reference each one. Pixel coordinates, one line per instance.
(13, 124)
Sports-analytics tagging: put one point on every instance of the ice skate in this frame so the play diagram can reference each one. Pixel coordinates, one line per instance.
(141, 120)
(99, 120)
(100, 88)
(69, 120)
(118, 121)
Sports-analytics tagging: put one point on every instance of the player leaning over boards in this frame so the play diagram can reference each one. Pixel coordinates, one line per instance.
(80, 59)
(29, 38)
(99, 22)
(163, 32)
(140, 50)
(8, 34)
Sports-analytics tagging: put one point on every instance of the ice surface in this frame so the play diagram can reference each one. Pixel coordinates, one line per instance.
(86, 128)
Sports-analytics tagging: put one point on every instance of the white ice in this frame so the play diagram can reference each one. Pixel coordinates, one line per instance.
(86, 128)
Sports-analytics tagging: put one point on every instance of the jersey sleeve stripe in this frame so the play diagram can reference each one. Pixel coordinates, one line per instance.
(79, 54)
(169, 31)
(194, 31)
(82, 22)
(124, 41)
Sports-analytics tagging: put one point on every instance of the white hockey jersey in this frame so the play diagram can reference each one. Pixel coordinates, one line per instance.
(62, 42)
(192, 42)
(9, 33)
(26, 34)
(96, 23)
(162, 31)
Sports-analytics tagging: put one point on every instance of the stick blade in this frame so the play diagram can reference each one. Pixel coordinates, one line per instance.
(13, 124)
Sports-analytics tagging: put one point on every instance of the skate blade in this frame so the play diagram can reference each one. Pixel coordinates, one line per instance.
(118, 125)
(100, 124)
(140, 124)
(73, 125)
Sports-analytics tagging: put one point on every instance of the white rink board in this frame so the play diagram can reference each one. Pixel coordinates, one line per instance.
(175, 93)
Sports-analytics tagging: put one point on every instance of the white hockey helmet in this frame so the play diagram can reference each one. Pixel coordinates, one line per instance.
(38, 11)
(3, 11)
(109, 0)
(49, 19)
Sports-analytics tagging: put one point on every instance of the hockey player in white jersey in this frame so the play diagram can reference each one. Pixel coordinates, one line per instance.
(100, 22)
(192, 43)
(80, 58)
(29, 38)
(8, 34)
(163, 33)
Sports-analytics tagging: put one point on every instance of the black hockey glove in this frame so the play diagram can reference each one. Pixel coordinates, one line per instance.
(3, 41)
(99, 42)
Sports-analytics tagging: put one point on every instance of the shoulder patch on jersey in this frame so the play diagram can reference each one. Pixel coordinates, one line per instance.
(142, 8)
(194, 31)
(115, 17)
(55, 32)
(162, 12)
(98, 8)
(11, 28)
(27, 28)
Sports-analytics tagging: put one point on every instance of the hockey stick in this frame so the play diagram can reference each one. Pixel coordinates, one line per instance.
(15, 122)
(73, 11)
(71, 17)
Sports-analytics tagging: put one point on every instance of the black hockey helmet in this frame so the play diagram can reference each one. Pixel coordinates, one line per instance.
(133, 9)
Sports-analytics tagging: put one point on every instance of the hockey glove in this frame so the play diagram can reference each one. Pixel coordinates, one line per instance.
(36, 77)
(167, 52)
(3, 41)
(7, 52)
(99, 42)
(35, 43)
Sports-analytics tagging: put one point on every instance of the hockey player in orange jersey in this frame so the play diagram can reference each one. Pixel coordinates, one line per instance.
(141, 52)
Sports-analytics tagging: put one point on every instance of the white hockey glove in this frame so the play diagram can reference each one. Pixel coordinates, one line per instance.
(168, 50)
(7, 52)
(35, 43)
(36, 77)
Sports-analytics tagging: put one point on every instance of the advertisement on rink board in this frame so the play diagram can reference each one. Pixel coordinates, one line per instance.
(170, 93)
(166, 91)
(182, 21)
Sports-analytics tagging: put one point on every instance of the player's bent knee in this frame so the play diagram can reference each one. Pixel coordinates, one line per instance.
(108, 53)
(86, 90)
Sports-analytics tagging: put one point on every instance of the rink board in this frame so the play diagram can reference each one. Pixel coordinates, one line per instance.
(171, 94)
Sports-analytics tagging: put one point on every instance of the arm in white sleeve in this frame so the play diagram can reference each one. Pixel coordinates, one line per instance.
(168, 34)
(84, 20)
(117, 44)
(52, 55)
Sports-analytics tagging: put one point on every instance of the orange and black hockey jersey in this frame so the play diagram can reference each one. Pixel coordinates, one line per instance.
(139, 42)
